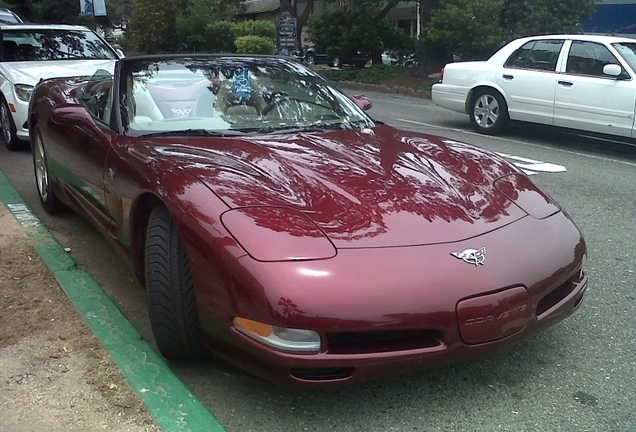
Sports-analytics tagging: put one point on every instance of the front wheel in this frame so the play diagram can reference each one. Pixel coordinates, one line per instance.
(171, 301)
(336, 62)
(9, 131)
(50, 202)
(310, 60)
(489, 112)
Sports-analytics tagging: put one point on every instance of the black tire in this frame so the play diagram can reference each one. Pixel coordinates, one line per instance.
(50, 202)
(335, 62)
(310, 59)
(171, 301)
(9, 131)
(488, 111)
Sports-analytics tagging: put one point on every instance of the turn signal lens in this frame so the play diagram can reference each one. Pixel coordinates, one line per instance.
(254, 327)
(285, 339)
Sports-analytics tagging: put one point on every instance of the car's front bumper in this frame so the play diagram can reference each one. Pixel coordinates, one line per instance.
(19, 111)
(385, 311)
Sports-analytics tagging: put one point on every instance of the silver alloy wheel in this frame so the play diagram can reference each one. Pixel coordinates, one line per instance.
(41, 171)
(486, 111)
(5, 123)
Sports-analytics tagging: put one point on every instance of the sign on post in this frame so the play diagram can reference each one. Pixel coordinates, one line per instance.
(287, 39)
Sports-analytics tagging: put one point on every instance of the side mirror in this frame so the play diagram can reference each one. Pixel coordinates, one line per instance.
(71, 115)
(363, 102)
(613, 70)
(120, 53)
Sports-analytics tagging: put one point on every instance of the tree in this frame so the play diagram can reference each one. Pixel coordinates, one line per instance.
(474, 28)
(468, 28)
(191, 22)
(526, 17)
(343, 33)
(153, 25)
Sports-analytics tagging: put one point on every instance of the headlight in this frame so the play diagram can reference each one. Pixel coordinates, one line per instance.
(286, 339)
(277, 234)
(23, 91)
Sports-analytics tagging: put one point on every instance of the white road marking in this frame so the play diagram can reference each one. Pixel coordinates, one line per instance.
(531, 166)
(586, 155)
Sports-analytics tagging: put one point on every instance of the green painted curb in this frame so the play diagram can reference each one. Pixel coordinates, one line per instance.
(168, 400)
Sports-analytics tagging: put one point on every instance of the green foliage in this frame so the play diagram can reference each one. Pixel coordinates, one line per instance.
(470, 28)
(526, 17)
(262, 28)
(219, 37)
(153, 25)
(192, 24)
(370, 75)
(344, 33)
(475, 28)
(252, 44)
(207, 26)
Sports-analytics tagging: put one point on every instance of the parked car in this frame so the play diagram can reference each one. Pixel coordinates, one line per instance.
(7, 16)
(313, 56)
(31, 52)
(274, 222)
(580, 82)
(392, 58)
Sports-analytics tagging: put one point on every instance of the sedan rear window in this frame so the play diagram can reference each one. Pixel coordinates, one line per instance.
(538, 55)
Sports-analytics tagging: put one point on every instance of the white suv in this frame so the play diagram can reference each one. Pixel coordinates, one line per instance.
(32, 52)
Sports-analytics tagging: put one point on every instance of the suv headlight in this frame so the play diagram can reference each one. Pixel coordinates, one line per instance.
(23, 91)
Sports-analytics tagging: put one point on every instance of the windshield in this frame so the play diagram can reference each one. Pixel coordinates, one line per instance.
(34, 45)
(627, 50)
(231, 94)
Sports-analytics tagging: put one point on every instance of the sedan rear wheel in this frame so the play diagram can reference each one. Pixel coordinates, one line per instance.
(50, 202)
(336, 62)
(488, 111)
(171, 301)
(9, 134)
(310, 59)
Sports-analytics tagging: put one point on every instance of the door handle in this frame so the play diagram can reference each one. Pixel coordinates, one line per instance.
(566, 83)
(508, 77)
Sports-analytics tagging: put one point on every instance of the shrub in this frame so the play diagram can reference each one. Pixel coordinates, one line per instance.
(254, 45)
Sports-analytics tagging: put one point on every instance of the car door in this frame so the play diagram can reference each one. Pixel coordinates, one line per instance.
(528, 80)
(589, 100)
(82, 145)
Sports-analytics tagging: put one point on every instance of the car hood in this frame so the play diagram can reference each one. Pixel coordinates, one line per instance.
(376, 187)
(30, 72)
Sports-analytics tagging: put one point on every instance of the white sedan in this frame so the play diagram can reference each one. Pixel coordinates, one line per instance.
(31, 52)
(581, 82)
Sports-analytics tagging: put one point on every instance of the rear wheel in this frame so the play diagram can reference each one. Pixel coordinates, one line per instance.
(336, 62)
(488, 111)
(9, 132)
(50, 202)
(171, 301)
(310, 59)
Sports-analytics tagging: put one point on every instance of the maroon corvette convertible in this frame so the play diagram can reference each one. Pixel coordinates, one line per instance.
(275, 224)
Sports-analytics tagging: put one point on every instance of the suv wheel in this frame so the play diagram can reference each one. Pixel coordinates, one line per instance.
(9, 134)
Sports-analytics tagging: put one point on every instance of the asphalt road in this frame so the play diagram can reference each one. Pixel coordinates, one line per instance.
(579, 375)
